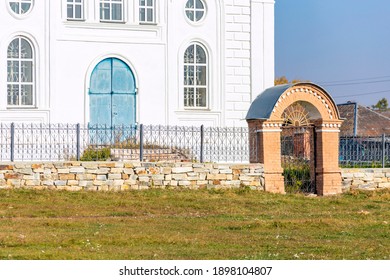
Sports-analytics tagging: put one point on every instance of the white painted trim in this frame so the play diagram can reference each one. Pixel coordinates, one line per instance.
(327, 130)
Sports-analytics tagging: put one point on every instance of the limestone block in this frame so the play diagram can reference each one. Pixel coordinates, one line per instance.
(358, 175)
(103, 170)
(84, 183)
(182, 169)
(216, 177)
(72, 183)
(33, 183)
(90, 165)
(179, 176)
(226, 171)
(184, 183)
(78, 169)
(118, 182)
(60, 183)
(24, 171)
(99, 182)
(144, 179)
(128, 171)
(63, 170)
(158, 177)
(116, 170)
(384, 185)
(14, 182)
(86, 176)
(101, 177)
(66, 176)
(115, 176)
(48, 183)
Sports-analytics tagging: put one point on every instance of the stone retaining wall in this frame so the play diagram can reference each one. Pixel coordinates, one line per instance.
(367, 178)
(129, 175)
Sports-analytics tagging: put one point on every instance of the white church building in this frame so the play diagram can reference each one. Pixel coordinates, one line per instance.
(121, 62)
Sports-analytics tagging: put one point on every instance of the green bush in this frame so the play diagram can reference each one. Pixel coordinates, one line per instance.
(91, 154)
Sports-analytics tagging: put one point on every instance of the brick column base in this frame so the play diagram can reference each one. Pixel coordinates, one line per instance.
(328, 183)
(274, 182)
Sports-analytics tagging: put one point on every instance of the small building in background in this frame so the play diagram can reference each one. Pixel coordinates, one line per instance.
(362, 121)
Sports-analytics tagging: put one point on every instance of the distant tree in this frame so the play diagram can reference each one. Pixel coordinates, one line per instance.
(283, 80)
(381, 105)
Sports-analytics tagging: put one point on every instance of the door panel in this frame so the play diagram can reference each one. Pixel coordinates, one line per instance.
(100, 109)
(112, 94)
(101, 78)
(123, 112)
(122, 78)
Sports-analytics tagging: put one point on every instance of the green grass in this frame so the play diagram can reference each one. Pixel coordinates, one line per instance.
(184, 224)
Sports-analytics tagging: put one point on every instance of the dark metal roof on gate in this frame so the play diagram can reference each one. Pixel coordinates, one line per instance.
(262, 106)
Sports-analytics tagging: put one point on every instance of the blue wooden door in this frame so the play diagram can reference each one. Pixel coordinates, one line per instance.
(112, 92)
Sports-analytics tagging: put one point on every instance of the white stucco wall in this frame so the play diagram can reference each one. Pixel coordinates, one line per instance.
(237, 34)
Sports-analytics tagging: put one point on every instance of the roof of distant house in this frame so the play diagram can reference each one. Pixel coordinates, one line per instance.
(363, 121)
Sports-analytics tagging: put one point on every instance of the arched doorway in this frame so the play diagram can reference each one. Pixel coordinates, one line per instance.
(285, 106)
(112, 94)
(298, 149)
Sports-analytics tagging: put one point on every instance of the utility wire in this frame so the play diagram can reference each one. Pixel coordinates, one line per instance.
(355, 83)
(353, 80)
(361, 94)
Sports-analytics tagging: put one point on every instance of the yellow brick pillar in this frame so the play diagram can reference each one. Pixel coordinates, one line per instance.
(266, 135)
(328, 172)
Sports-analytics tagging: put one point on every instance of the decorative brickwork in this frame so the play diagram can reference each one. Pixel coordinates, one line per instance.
(322, 113)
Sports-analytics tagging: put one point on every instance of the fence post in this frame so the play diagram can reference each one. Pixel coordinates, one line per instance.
(141, 142)
(78, 142)
(383, 150)
(12, 152)
(202, 143)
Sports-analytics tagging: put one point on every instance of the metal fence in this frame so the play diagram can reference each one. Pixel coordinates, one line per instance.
(360, 151)
(57, 142)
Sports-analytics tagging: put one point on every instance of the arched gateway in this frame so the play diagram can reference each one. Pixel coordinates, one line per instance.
(298, 105)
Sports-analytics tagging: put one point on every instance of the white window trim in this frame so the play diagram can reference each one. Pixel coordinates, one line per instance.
(20, 15)
(195, 22)
(74, 4)
(34, 79)
(154, 21)
(110, 20)
(207, 86)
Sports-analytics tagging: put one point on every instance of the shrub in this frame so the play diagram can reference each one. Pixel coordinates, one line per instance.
(91, 154)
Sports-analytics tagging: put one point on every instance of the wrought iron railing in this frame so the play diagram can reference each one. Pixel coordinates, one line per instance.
(365, 152)
(58, 142)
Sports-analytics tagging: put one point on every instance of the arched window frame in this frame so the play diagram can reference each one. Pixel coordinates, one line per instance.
(21, 80)
(195, 77)
(20, 7)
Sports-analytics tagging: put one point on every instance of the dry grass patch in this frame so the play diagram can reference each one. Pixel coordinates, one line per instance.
(184, 224)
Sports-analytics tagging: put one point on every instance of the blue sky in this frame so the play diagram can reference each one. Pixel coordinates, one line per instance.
(342, 45)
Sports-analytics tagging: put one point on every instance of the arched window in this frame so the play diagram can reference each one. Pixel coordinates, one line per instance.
(20, 73)
(20, 7)
(195, 77)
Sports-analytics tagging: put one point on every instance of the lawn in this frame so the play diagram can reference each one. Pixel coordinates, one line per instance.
(185, 224)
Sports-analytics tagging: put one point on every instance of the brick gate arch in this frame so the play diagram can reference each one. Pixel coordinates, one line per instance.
(265, 119)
